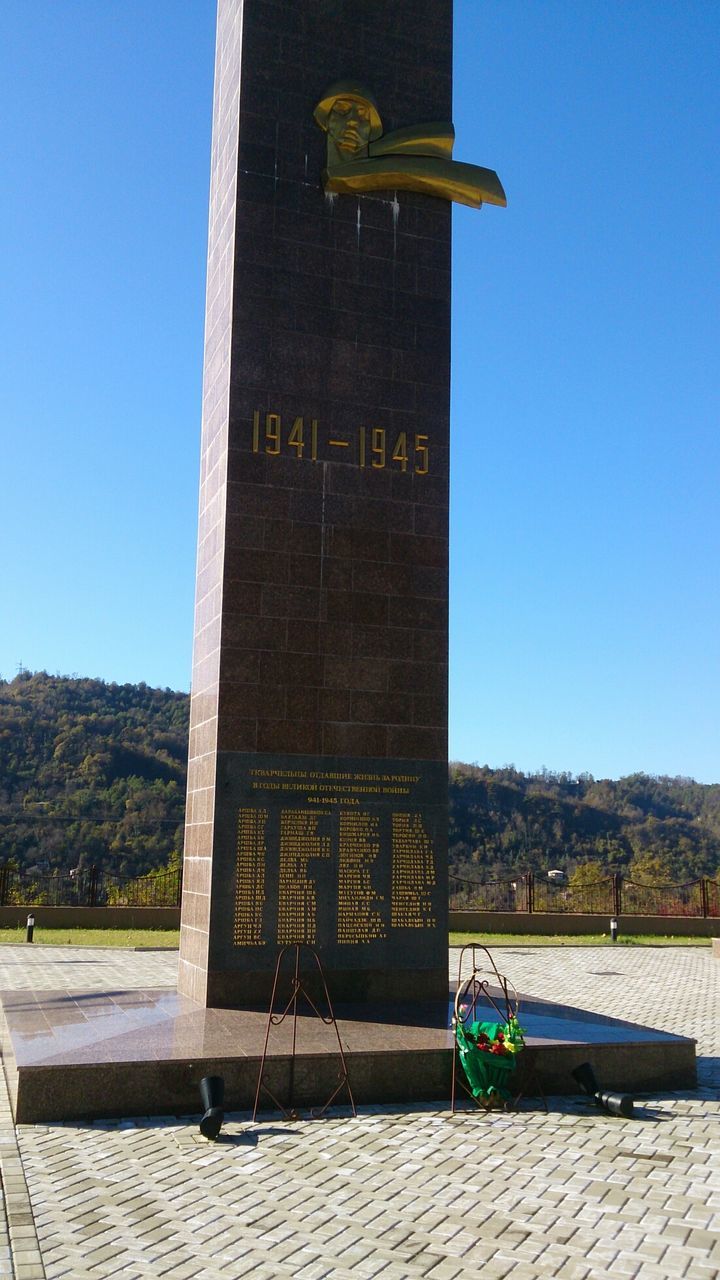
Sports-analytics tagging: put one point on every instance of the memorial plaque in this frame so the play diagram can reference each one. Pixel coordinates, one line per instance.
(317, 780)
(345, 854)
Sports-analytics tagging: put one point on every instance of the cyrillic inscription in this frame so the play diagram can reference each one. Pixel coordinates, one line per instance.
(250, 871)
(300, 842)
(413, 873)
(358, 919)
(346, 856)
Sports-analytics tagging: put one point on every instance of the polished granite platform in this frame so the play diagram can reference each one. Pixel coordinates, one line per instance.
(86, 1054)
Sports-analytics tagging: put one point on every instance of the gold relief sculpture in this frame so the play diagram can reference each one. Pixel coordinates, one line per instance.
(418, 158)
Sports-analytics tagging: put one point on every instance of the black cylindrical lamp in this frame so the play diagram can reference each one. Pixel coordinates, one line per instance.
(212, 1093)
(616, 1104)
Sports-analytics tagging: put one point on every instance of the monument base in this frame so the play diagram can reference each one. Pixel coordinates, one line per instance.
(82, 1055)
(374, 987)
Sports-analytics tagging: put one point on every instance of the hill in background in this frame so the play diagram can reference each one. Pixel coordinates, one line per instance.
(95, 773)
(91, 773)
(501, 820)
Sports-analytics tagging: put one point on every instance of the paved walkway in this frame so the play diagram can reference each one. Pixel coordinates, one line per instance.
(402, 1194)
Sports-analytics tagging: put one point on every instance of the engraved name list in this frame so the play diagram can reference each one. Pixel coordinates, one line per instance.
(351, 856)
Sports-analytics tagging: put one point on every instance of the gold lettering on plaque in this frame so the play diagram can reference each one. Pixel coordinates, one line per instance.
(359, 846)
(419, 158)
(413, 873)
(250, 878)
(297, 897)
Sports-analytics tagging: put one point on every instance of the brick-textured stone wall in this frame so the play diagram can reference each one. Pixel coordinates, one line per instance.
(334, 633)
(321, 616)
(197, 871)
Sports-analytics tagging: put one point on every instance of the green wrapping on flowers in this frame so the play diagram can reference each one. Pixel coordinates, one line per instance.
(488, 1073)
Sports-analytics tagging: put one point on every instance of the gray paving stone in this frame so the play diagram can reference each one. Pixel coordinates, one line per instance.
(402, 1196)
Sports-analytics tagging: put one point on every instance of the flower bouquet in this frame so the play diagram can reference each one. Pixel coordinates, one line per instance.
(488, 1053)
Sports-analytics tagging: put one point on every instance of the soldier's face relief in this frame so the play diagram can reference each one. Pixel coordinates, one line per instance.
(349, 126)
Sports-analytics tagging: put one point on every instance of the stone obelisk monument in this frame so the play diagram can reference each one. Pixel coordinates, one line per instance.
(317, 787)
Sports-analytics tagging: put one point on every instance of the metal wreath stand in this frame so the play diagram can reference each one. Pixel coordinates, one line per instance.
(470, 992)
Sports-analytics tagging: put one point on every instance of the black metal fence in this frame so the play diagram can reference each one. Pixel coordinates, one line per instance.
(712, 897)
(89, 887)
(496, 895)
(613, 895)
(597, 897)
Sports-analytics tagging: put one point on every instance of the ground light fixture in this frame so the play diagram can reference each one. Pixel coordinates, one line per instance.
(212, 1093)
(613, 929)
(617, 1104)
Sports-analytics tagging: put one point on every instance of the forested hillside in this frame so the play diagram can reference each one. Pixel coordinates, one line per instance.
(91, 773)
(663, 829)
(95, 773)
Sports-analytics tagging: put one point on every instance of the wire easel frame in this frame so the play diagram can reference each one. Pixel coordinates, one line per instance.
(298, 991)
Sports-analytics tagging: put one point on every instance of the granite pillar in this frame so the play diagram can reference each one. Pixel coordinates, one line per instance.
(317, 781)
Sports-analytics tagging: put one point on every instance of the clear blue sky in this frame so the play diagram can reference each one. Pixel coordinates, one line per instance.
(585, 517)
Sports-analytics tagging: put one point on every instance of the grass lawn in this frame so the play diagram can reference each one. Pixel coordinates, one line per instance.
(567, 940)
(95, 937)
(171, 938)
